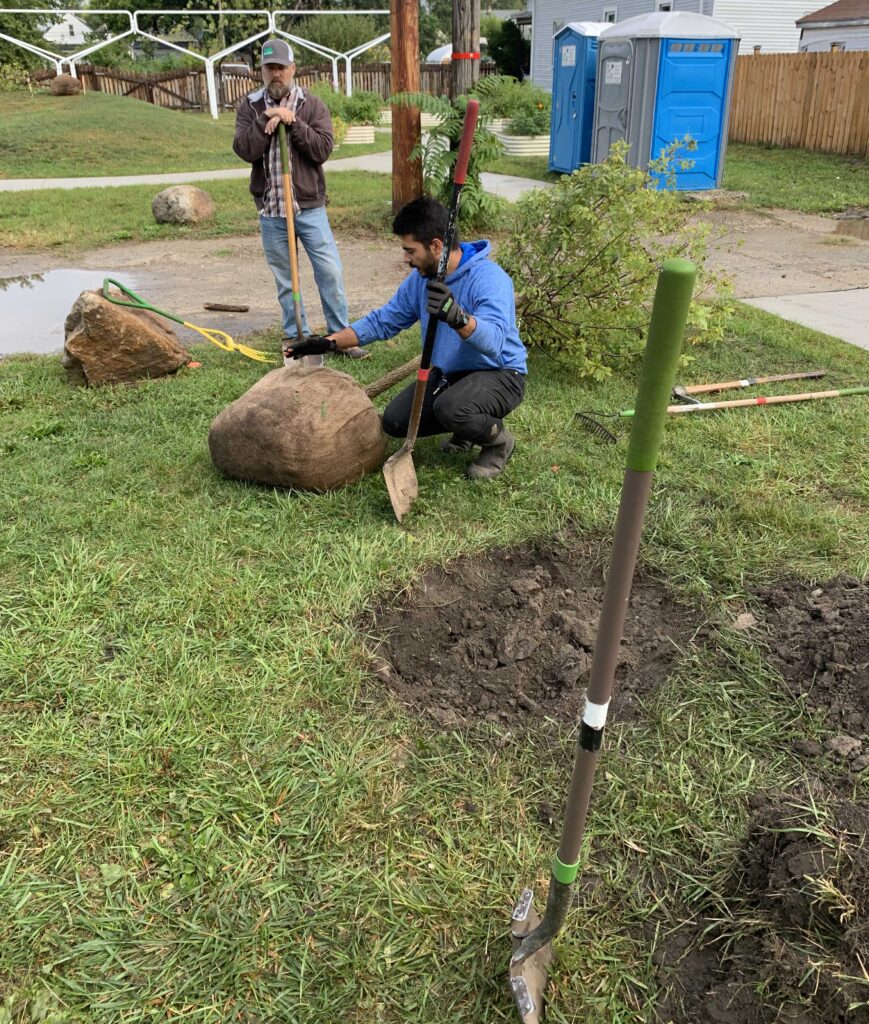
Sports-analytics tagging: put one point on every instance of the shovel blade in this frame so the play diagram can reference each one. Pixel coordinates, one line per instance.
(528, 978)
(400, 476)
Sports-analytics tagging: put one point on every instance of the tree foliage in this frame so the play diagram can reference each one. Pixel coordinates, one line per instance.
(507, 47)
(439, 148)
(585, 255)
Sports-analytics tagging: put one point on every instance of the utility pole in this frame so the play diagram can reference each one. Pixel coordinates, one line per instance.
(404, 42)
(466, 46)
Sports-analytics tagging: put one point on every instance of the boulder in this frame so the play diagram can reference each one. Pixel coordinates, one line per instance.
(182, 204)
(65, 85)
(312, 429)
(109, 344)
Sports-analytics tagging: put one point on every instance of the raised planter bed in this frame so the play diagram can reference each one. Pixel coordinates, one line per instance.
(358, 134)
(524, 145)
(426, 120)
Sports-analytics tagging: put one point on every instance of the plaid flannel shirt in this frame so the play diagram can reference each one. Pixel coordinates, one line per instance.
(274, 201)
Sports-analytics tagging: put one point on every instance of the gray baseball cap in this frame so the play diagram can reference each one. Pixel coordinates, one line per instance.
(277, 51)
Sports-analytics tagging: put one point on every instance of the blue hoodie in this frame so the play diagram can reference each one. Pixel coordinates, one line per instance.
(481, 288)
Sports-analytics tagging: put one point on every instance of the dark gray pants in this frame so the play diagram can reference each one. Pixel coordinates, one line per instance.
(468, 405)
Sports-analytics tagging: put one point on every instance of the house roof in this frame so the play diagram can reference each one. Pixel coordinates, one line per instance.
(841, 10)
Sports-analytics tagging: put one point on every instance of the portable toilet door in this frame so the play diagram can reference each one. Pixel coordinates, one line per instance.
(574, 70)
(661, 77)
(693, 99)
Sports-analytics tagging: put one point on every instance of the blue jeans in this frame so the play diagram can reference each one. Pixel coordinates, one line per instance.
(315, 234)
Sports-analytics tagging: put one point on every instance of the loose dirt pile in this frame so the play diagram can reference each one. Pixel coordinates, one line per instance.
(795, 949)
(507, 637)
(819, 641)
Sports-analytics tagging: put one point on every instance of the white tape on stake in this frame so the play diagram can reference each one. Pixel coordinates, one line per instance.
(594, 715)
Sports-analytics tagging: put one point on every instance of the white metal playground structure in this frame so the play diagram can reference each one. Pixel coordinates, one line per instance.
(270, 20)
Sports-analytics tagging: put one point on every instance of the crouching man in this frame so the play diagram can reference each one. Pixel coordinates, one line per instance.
(478, 362)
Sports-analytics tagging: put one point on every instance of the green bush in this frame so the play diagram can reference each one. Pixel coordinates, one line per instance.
(499, 95)
(530, 122)
(585, 256)
(362, 108)
(438, 152)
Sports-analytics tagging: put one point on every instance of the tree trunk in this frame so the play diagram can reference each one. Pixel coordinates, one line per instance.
(406, 173)
(466, 46)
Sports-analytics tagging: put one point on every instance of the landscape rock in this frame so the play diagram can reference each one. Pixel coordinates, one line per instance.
(182, 204)
(65, 85)
(109, 344)
(312, 429)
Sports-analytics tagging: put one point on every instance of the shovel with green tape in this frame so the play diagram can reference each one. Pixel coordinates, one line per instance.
(532, 937)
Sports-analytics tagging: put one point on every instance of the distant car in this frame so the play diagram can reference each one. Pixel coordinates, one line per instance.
(236, 69)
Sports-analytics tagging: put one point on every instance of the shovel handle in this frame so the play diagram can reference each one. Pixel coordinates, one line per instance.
(471, 114)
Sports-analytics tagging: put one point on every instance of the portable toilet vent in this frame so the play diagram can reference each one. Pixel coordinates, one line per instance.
(574, 69)
(661, 77)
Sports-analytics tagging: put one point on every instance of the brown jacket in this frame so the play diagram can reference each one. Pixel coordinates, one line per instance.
(310, 137)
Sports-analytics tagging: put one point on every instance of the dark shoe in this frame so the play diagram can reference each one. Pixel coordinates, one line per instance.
(456, 445)
(493, 458)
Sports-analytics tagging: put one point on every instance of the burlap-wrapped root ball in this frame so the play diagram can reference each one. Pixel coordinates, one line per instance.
(312, 429)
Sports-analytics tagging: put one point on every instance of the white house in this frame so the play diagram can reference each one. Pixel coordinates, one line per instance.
(768, 24)
(843, 25)
(68, 31)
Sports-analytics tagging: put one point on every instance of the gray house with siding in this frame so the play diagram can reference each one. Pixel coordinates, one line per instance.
(768, 24)
(843, 25)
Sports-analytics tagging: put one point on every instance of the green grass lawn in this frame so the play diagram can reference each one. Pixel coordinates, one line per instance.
(86, 218)
(46, 136)
(788, 178)
(206, 812)
(796, 180)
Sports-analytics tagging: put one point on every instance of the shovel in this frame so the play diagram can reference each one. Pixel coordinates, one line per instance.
(532, 938)
(291, 239)
(398, 470)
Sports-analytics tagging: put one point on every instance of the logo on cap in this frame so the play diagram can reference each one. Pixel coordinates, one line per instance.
(267, 51)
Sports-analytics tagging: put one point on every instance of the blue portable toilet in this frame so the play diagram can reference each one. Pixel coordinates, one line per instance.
(661, 77)
(574, 69)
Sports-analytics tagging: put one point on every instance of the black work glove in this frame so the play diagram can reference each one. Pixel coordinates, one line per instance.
(440, 303)
(313, 345)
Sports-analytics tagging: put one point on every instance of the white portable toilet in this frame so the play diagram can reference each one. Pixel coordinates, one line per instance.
(661, 77)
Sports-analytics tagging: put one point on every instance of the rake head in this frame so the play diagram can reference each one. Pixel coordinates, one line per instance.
(591, 421)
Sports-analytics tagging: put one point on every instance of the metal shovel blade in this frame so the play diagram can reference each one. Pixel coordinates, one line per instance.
(528, 978)
(400, 476)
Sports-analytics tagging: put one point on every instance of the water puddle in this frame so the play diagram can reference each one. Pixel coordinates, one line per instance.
(856, 227)
(33, 307)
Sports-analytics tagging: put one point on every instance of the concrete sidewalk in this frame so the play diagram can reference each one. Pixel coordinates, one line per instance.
(504, 185)
(841, 314)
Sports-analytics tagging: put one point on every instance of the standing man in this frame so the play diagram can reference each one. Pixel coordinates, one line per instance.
(309, 135)
(478, 362)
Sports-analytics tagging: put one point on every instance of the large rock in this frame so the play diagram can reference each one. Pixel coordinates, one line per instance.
(312, 429)
(65, 85)
(182, 204)
(109, 344)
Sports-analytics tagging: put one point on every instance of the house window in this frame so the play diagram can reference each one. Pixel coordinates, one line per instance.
(664, 5)
(610, 14)
(71, 29)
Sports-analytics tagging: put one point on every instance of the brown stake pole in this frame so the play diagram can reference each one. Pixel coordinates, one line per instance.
(406, 173)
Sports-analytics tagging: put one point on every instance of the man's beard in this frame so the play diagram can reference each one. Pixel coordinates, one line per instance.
(277, 90)
(431, 267)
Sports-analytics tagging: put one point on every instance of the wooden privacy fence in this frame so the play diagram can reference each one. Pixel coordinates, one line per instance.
(815, 101)
(186, 89)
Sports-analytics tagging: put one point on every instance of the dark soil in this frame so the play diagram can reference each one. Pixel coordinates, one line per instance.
(819, 641)
(507, 638)
(800, 897)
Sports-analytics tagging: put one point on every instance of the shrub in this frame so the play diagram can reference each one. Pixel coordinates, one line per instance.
(362, 108)
(585, 256)
(339, 129)
(530, 122)
(498, 95)
(438, 151)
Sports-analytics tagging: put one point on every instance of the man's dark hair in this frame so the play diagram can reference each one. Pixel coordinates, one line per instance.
(425, 219)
